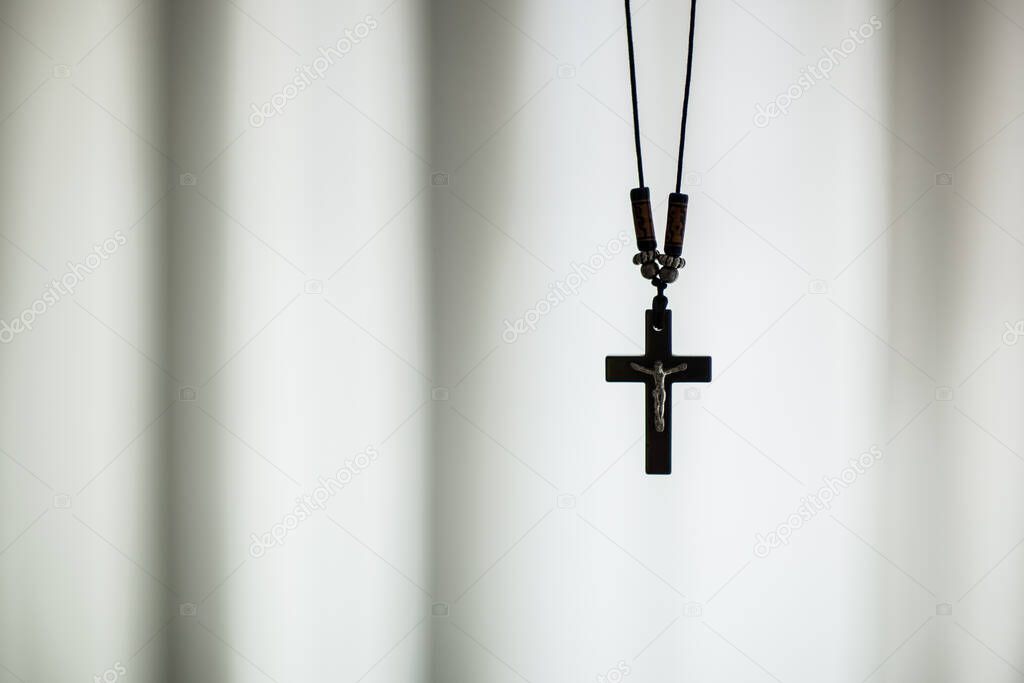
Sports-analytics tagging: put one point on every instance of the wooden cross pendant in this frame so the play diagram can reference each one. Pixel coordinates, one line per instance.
(658, 369)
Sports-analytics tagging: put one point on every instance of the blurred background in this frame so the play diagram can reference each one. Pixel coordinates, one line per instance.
(304, 306)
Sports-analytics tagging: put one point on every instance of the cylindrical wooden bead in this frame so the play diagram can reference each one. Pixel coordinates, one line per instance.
(643, 219)
(676, 226)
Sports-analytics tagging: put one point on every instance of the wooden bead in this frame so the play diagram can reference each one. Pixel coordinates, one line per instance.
(676, 225)
(643, 221)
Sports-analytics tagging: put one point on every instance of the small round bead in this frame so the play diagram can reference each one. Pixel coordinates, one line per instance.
(668, 274)
(649, 270)
(637, 258)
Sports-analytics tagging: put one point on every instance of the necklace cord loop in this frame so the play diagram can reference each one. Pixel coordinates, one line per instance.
(635, 97)
(632, 86)
(648, 257)
(686, 95)
(659, 305)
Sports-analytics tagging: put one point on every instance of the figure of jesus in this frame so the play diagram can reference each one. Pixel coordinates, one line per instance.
(659, 373)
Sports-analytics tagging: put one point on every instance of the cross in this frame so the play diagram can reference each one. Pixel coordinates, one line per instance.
(658, 369)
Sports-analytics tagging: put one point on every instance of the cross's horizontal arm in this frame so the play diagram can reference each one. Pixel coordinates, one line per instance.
(620, 369)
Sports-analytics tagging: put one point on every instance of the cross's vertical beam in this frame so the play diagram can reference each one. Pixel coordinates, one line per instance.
(659, 444)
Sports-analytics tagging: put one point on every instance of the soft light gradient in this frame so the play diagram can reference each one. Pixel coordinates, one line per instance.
(333, 286)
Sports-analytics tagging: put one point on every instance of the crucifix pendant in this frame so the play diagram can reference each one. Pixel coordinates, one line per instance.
(658, 369)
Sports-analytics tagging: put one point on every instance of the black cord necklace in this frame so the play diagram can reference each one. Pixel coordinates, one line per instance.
(686, 94)
(648, 257)
(658, 369)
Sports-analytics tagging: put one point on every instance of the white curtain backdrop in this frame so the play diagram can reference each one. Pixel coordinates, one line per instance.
(303, 315)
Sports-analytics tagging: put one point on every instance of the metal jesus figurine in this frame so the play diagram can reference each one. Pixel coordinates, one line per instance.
(650, 369)
(659, 373)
